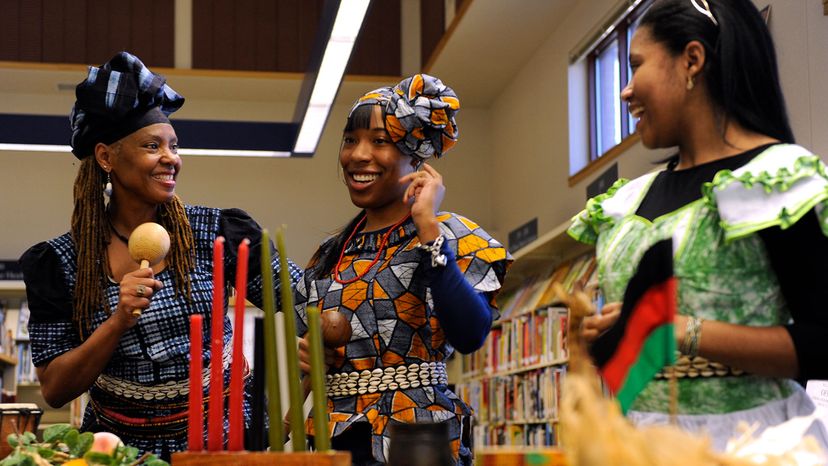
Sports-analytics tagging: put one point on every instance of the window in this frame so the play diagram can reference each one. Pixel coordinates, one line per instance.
(608, 73)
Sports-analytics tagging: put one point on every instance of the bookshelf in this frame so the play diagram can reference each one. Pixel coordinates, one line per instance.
(513, 382)
(12, 298)
(19, 382)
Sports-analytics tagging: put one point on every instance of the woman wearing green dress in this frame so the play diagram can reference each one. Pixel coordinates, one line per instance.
(745, 208)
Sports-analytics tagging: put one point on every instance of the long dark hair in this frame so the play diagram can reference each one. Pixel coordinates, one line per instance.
(324, 259)
(740, 69)
(90, 233)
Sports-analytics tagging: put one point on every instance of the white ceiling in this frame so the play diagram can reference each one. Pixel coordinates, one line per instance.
(492, 41)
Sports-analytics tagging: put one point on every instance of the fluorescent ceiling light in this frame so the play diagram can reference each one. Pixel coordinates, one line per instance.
(233, 153)
(204, 152)
(35, 147)
(346, 27)
(343, 28)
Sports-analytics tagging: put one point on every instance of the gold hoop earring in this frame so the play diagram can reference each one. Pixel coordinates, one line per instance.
(691, 83)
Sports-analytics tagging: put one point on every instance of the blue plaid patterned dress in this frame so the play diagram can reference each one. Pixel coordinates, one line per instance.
(156, 351)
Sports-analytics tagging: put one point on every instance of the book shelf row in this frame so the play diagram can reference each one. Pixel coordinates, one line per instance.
(525, 404)
(531, 332)
(529, 341)
(536, 291)
(15, 346)
(513, 382)
(518, 435)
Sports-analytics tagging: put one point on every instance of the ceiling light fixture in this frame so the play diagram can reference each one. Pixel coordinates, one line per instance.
(233, 153)
(322, 83)
(339, 27)
(35, 147)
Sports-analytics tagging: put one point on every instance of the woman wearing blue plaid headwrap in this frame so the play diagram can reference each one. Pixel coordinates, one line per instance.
(415, 283)
(83, 286)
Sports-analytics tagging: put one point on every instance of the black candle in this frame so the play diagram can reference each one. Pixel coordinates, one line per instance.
(255, 434)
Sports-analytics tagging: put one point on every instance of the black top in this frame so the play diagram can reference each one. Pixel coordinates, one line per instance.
(798, 256)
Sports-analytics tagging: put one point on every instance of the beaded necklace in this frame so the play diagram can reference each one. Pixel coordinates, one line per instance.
(376, 258)
(118, 235)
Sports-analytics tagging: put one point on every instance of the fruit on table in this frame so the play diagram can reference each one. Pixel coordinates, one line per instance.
(105, 442)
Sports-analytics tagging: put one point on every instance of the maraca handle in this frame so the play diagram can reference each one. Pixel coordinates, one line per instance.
(144, 264)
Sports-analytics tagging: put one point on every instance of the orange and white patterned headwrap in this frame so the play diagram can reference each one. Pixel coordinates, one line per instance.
(419, 115)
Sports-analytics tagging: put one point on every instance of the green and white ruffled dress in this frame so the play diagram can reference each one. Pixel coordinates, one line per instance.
(723, 273)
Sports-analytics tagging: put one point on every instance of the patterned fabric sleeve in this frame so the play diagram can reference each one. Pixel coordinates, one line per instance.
(300, 300)
(777, 188)
(50, 326)
(481, 258)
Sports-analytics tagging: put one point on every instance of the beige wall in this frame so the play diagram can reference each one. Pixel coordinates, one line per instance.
(511, 164)
(306, 194)
(529, 119)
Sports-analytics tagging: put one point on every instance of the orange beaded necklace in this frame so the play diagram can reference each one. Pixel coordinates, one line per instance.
(376, 258)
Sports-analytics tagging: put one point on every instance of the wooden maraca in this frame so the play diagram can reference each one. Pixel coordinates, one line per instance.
(336, 330)
(149, 244)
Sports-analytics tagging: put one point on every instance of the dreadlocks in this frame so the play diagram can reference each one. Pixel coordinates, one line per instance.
(91, 236)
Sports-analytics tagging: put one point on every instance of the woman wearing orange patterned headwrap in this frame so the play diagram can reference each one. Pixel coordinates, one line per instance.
(415, 283)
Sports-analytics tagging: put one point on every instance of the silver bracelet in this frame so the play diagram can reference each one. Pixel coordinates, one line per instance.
(692, 337)
(437, 257)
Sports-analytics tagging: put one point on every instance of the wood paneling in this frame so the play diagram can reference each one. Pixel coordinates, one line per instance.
(9, 30)
(254, 35)
(267, 35)
(377, 50)
(30, 32)
(86, 31)
(432, 26)
(251, 35)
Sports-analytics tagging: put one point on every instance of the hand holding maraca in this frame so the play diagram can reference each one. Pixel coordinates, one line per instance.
(336, 332)
(148, 244)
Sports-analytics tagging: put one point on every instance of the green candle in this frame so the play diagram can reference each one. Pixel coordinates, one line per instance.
(297, 418)
(271, 369)
(320, 399)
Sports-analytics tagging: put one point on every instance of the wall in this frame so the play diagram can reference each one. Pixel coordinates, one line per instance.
(510, 166)
(306, 194)
(529, 119)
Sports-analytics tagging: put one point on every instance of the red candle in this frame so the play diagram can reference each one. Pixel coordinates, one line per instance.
(195, 434)
(235, 440)
(215, 419)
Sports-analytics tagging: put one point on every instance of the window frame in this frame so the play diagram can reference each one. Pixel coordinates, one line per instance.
(620, 35)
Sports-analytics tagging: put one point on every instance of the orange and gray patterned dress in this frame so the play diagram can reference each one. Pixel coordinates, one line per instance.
(395, 324)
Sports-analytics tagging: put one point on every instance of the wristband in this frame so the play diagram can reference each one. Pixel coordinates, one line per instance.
(437, 256)
(692, 337)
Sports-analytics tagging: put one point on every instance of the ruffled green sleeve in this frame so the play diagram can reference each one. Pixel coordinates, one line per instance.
(777, 188)
(589, 222)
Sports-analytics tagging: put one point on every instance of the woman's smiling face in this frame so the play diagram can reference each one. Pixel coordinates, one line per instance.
(656, 92)
(147, 164)
(373, 165)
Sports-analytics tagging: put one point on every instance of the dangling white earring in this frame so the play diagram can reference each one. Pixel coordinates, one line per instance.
(690, 83)
(107, 190)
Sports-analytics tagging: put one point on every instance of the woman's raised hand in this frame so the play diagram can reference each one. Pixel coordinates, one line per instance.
(425, 194)
(305, 359)
(136, 291)
(597, 324)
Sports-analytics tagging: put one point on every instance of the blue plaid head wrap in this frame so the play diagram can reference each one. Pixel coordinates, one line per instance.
(419, 115)
(117, 99)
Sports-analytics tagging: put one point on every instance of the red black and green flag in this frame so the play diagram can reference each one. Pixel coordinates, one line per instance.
(641, 342)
